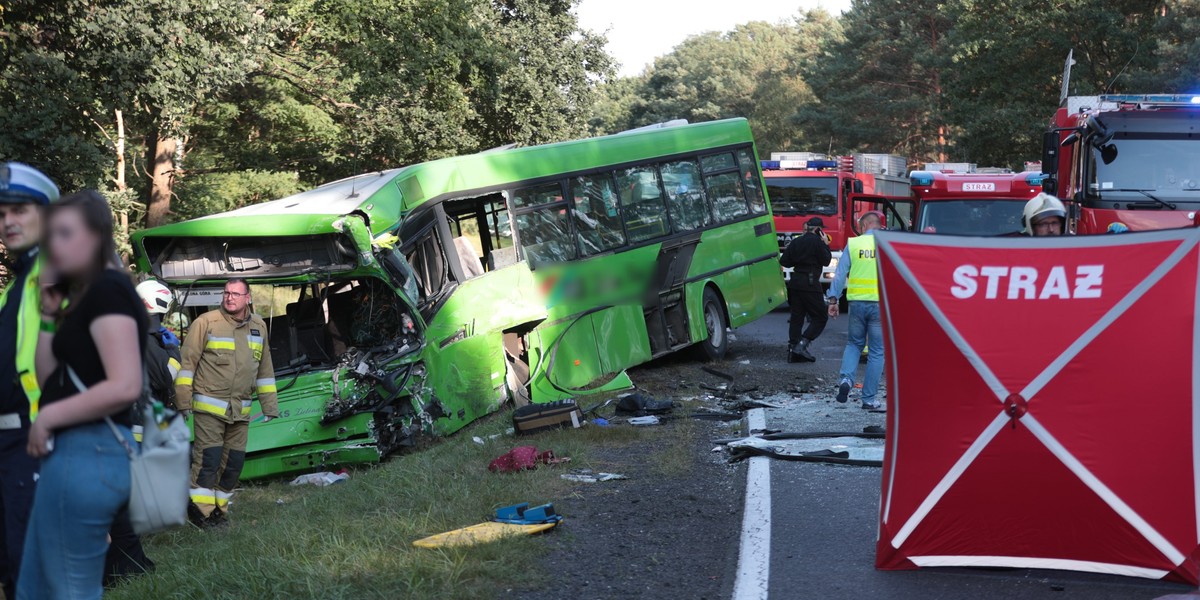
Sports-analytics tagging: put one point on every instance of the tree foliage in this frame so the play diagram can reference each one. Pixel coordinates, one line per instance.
(232, 102)
(752, 71)
(945, 80)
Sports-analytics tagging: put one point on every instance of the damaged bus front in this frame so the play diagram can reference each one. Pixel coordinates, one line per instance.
(343, 307)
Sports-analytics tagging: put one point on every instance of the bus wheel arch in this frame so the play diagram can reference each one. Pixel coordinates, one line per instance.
(715, 312)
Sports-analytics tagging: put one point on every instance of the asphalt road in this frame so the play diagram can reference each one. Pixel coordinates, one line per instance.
(824, 518)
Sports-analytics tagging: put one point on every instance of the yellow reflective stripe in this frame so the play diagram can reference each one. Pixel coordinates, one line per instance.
(173, 366)
(203, 496)
(223, 498)
(184, 378)
(246, 404)
(209, 405)
(219, 345)
(265, 385)
(137, 433)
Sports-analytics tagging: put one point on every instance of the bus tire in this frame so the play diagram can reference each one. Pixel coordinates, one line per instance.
(717, 342)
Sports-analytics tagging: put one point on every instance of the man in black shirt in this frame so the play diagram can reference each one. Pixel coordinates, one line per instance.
(23, 192)
(807, 255)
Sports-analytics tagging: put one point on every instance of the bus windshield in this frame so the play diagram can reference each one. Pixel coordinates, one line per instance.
(971, 217)
(803, 195)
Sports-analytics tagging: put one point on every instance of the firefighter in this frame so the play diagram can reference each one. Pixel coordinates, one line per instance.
(1044, 215)
(24, 191)
(225, 362)
(162, 354)
(807, 255)
(856, 273)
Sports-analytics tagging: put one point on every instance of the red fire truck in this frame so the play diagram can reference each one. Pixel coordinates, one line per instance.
(1133, 159)
(972, 203)
(802, 185)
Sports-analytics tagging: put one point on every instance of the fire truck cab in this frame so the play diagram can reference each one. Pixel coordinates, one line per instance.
(1133, 159)
(802, 185)
(976, 202)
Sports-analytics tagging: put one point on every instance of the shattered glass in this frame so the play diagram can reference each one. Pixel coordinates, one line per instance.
(685, 197)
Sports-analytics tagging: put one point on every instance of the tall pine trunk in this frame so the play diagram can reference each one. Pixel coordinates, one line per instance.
(162, 179)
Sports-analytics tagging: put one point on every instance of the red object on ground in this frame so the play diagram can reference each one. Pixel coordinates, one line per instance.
(1043, 403)
(523, 458)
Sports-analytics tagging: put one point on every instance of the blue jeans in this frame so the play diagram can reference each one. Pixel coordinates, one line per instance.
(84, 483)
(866, 328)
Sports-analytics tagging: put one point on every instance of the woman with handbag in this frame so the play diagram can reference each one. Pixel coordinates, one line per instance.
(89, 360)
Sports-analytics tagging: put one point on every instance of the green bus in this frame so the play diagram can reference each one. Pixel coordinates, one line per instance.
(415, 300)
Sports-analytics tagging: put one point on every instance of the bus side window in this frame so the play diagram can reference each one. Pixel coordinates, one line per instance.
(723, 183)
(429, 265)
(544, 232)
(751, 181)
(642, 203)
(597, 213)
(681, 180)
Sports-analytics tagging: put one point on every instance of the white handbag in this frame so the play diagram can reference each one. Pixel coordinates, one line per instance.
(159, 475)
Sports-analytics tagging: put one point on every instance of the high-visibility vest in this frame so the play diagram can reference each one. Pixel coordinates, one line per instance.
(29, 320)
(862, 285)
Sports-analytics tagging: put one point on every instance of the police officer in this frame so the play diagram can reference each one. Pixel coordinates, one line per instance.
(225, 362)
(857, 275)
(1044, 215)
(24, 191)
(807, 255)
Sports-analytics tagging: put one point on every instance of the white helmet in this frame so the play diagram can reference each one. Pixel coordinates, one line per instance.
(1041, 206)
(156, 296)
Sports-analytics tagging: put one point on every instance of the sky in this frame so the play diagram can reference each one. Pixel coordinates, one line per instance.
(640, 30)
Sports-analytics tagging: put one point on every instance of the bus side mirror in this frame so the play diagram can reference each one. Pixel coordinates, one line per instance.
(1050, 153)
(858, 186)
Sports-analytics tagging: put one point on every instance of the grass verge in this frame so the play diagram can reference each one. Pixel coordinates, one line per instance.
(354, 539)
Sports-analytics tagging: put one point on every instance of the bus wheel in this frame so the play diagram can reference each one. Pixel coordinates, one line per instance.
(714, 321)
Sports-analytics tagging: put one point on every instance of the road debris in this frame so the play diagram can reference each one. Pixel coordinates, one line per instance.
(589, 476)
(644, 421)
(641, 405)
(321, 479)
(538, 417)
(846, 449)
(524, 458)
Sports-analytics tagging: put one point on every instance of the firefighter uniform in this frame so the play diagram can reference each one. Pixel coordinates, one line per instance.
(225, 364)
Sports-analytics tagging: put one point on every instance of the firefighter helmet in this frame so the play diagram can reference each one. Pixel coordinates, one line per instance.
(1040, 207)
(156, 296)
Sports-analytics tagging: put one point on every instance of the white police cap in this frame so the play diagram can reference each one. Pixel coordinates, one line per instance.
(20, 183)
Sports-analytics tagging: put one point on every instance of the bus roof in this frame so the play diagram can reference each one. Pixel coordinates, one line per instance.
(384, 197)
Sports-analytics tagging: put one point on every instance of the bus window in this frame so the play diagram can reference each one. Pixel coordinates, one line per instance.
(718, 162)
(751, 181)
(537, 196)
(725, 192)
(544, 233)
(641, 203)
(597, 214)
(429, 265)
(684, 197)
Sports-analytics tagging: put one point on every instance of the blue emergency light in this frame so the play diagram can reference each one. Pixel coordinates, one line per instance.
(920, 178)
(1195, 99)
(822, 164)
(1035, 178)
(769, 165)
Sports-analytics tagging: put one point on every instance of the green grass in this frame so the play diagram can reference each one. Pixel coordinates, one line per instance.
(354, 539)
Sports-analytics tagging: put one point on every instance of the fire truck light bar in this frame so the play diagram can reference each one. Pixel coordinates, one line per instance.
(920, 178)
(775, 165)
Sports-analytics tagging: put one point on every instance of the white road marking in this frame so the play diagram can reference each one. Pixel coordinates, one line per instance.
(754, 558)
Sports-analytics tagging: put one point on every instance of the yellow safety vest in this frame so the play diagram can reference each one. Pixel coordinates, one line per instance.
(29, 320)
(862, 285)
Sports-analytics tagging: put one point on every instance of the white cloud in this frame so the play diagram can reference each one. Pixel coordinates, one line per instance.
(640, 30)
